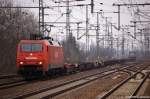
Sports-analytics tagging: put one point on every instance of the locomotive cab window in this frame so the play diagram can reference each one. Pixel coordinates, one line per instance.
(36, 47)
(26, 47)
(31, 47)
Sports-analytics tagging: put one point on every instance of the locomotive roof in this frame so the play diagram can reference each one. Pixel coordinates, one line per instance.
(51, 42)
(33, 41)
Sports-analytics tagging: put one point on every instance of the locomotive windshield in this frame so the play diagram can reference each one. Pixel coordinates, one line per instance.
(31, 47)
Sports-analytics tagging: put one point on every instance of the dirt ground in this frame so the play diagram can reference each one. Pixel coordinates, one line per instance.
(92, 91)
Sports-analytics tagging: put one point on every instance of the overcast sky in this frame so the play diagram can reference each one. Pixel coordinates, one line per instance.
(78, 14)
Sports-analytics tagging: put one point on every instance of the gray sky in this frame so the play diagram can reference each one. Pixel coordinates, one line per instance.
(78, 14)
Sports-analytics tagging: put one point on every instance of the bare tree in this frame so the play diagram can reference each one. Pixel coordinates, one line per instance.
(15, 24)
(72, 53)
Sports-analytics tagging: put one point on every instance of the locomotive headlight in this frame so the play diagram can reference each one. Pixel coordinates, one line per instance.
(21, 63)
(40, 63)
(31, 54)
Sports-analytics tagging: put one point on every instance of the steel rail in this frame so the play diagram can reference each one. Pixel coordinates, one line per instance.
(12, 84)
(139, 86)
(120, 84)
(68, 82)
(8, 76)
(49, 88)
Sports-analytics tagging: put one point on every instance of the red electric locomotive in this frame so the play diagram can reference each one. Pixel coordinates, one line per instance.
(39, 56)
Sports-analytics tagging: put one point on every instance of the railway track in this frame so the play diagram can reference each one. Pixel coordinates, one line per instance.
(14, 83)
(13, 80)
(134, 94)
(10, 80)
(69, 85)
(120, 90)
(9, 76)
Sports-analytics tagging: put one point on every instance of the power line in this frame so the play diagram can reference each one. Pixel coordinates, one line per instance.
(136, 4)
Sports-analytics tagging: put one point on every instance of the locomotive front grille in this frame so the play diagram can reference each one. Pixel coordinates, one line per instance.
(31, 69)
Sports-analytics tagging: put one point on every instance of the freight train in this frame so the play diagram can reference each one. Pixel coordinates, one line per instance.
(46, 57)
(132, 55)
